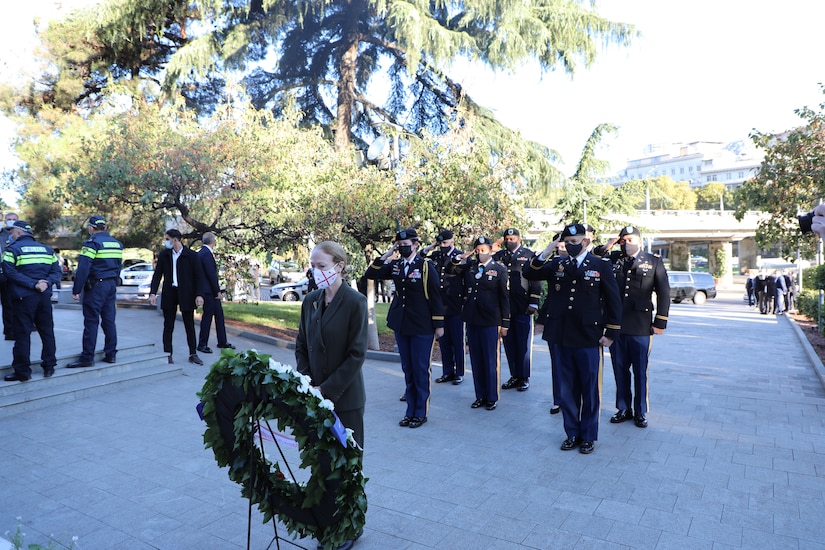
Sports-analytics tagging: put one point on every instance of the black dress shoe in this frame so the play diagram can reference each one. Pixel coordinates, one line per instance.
(491, 405)
(478, 403)
(458, 380)
(227, 345)
(640, 421)
(110, 359)
(79, 364)
(445, 378)
(524, 384)
(205, 349)
(511, 383)
(48, 372)
(570, 443)
(404, 422)
(555, 409)
(621, 416)
(16, 378)
(586, 447)
(195, 359)
(403, 397)
(171, 361)
(417, 421)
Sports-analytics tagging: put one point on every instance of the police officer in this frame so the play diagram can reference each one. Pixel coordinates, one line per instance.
(638, 274)
(416, 315)
(32, 269)
(524, 302)
(452, 343)
(585, 317)
(487, 314)
(5, 288)
(98, 269)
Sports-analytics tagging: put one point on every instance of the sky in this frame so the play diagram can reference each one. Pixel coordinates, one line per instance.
(704, 70)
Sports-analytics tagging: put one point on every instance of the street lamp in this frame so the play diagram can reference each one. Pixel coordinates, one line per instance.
(584, 207)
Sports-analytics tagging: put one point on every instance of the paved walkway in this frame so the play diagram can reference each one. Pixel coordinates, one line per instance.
(734, 456)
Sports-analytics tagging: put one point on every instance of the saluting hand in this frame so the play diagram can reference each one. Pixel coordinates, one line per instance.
(550, 248)
(497, 244)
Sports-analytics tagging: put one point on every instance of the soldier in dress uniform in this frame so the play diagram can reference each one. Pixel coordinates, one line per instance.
(639, 274)
(524, 302)
(543, 319)
(584, 317)
(416, 315)
(451, 344)
(487, 314)
(98, 269)
(32, 269)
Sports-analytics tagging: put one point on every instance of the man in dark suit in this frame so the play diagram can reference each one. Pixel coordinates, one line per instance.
(639, 274)
(586, 317)
(416, 315)
(212, 300)
(182, 275)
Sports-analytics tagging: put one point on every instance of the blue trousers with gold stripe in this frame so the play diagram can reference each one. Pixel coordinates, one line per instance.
(518, 345)
(485, 350)
(581, 389)
(452, 346)
(416, 351)
(626, 352)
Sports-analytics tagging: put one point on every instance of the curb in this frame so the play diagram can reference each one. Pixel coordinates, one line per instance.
(816, 363)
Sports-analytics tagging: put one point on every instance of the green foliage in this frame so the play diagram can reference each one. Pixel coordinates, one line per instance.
(807, 303)
(721, 260)
(708, 196)
(284, 314)
(790, 180)
(814, 277)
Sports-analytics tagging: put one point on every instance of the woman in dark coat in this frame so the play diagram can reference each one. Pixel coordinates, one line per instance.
(332, 337)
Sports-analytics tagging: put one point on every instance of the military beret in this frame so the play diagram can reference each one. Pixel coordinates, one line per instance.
(511, 231)
(20, 224)
(405, 234)
(97, 221)
(573, 230)
(482, 240)
(629, 230)
(444, 235)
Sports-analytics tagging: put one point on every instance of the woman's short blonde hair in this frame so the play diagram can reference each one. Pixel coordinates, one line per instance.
(333, 249)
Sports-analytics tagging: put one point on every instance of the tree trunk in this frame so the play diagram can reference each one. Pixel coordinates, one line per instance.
(346, 92)
(372, 328)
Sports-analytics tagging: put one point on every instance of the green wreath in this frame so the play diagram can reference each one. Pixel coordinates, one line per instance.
(243, 389)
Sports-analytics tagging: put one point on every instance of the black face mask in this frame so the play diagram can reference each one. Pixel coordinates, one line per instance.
(405, 250)
(445, 249)
(574, 249)
(511, 245)
(630, 249)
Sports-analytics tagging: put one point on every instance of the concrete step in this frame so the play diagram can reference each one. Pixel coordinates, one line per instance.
(124, 354)
(134, 365)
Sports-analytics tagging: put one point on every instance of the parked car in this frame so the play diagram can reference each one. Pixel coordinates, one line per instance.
(136, 275)
(281, 271)
(686, 285)
(290, 292)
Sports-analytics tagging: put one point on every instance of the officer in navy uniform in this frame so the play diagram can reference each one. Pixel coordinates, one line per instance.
(487, 314)
(524, 303)
(31, 268)
(543, 318)
(639, 274)
(416, 315)
(452, 343)
(98, 269)
(585, 317)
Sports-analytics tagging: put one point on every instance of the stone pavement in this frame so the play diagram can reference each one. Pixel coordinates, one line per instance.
(734, 456)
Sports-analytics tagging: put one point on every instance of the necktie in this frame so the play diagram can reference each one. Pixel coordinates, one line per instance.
(406, 268)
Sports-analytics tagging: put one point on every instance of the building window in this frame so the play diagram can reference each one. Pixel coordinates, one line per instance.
(682, 170)
(707, 179)
(741, 174)
(673, 171)
(690, 168)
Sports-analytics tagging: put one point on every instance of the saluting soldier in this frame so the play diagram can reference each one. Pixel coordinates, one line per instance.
(31, 268)
(524, 302)
(451, 344)
(639, 274)
(416, 315)
(487, 314)
(544, 319)
(98, 269)
(585, 318)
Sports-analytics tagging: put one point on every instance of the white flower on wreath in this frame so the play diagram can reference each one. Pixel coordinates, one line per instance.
(316, 392)
(304, 384)
(278, 367)
(326, 404)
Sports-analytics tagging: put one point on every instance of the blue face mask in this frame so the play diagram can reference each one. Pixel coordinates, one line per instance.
(167, 244)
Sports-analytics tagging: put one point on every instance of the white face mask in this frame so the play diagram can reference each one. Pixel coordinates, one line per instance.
(167, 244)
(10, 223)
(324, 278)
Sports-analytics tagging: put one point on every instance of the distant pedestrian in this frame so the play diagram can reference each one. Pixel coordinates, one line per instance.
(5, 290)
(255, 283)
(749, 291)
(31, 269)
(98, 270)
(183, 284)
(780, 289)
(212, 307)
